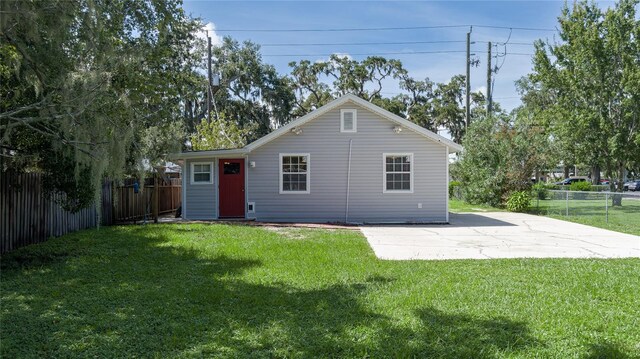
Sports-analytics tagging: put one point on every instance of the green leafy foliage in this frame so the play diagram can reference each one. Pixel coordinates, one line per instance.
(587, 87)
(454, 188)
(580, 186)
(498, 159)
(540, 190)
(423, 102)
(92, 89)
(219, 134)
(519, 201)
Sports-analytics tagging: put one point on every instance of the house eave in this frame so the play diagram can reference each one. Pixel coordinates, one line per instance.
(211, 153)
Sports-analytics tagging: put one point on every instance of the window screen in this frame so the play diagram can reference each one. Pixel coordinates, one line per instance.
(398, 172)
(295, 172)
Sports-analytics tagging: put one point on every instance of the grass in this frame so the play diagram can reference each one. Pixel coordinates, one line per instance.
(198, 290)
(592, 212)
(457, 206)
(625, 218)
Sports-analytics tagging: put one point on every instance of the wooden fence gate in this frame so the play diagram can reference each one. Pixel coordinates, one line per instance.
(149, 201)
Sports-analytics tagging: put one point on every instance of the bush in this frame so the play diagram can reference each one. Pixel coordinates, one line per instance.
(454, 188)
(519, 201)
(580, 186)
(540, 190)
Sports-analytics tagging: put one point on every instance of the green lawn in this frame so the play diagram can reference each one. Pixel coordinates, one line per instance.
(625, 218)
(198, 290)
(457, 206)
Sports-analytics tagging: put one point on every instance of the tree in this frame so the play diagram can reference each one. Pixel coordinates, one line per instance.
(252, 92)
(432, 106)
(93, 86)
(498, 158)
(219, 134)
(593, 73)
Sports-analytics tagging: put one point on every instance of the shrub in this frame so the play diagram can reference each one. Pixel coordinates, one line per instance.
(454, 187)
(519, 201)
(540, 190)
(580, 186)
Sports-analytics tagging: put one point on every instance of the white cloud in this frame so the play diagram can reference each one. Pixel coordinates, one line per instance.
(338, 54)
(210, 28)
(343, 55)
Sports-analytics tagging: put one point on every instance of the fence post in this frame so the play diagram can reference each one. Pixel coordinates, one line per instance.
(567, 204)
(156, 193)
(606, 205)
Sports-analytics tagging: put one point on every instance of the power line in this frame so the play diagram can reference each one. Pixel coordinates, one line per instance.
(371, 54)
(381, 43)
(388, 28)
(364, 43)
(510, 43)
(388, 53)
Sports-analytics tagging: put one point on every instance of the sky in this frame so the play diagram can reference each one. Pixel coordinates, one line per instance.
(538, 17)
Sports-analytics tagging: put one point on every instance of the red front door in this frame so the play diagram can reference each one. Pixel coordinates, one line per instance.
(231, 188)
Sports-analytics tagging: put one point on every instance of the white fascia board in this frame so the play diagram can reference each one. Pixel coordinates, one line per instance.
(209, 154)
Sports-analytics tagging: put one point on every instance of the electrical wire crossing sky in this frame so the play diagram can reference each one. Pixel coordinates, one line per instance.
(429, 38)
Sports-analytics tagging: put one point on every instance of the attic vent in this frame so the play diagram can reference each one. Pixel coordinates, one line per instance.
(348, 120)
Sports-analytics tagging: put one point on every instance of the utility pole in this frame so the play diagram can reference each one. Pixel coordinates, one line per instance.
(209, 93)
(489, 79)
(468, 82)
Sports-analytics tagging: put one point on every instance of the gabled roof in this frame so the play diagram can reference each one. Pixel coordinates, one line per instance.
(453, 147)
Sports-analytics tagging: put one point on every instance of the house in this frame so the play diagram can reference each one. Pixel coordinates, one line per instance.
(348, 161)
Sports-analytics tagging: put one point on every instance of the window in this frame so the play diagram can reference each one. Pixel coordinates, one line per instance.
(348, 120)
(398, 172)
(294, 173)
(201, 173)
(231, 168)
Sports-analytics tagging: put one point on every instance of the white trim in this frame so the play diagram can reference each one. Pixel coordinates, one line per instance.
(446, 156)
(231, 153)
(384, 172)
(354, 113)
(246, 186)
(280, 155)
(211, 173)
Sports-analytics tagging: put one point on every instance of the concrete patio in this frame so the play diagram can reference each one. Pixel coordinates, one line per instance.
(499, 235)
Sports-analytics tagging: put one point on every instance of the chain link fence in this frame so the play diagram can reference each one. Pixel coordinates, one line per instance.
(622, 208)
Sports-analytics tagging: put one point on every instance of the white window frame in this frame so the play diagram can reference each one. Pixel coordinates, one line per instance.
(355, 120)
(384, 172)
(308, 173)
(192, 173)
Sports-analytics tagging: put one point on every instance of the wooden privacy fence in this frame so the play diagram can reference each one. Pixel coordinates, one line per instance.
(29, 216)
(131, 206)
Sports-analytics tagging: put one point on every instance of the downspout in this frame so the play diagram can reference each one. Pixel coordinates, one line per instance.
(346, 210)
(185, 178)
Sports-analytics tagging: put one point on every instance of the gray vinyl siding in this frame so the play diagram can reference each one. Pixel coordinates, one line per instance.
(201, 199)
(329, 152)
